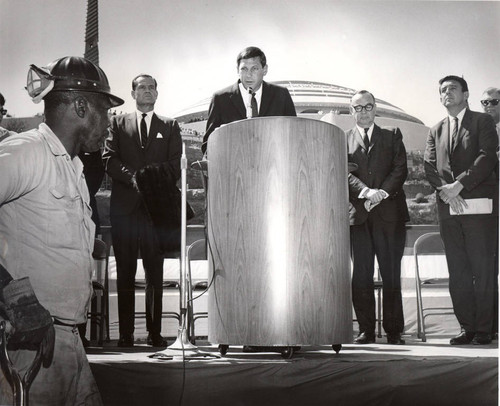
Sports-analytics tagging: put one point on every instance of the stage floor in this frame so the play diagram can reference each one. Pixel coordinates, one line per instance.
(431, 373)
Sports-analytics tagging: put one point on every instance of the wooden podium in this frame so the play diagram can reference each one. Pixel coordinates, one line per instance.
(278, 232)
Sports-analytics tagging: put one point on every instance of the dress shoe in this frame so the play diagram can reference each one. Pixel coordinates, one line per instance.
(156, 340)
(481, 339)
(126, 340)
(464, 338)
(365, 338)
(395, 339)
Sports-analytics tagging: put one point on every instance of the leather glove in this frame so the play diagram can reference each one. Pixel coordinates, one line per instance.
(32, 324)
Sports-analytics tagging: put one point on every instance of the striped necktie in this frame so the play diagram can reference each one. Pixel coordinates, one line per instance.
(453, 138)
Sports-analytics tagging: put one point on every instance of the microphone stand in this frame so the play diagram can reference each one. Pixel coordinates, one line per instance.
(182, 348)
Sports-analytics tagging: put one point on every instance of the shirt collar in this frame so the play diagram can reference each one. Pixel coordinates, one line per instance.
(245, 93)
(149, 115)
(370, 130)
(54, 143)
(460, 116)
(57, 148)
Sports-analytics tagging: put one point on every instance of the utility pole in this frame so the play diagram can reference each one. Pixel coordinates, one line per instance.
(92, 32)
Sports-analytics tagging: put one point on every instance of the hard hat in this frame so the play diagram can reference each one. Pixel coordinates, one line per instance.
(71, 73)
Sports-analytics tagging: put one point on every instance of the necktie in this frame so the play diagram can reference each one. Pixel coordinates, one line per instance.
(454, 135)
(144, 131)
(366, 140)
(253, 103)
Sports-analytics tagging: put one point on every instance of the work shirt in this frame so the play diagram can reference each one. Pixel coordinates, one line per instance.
(46, 232)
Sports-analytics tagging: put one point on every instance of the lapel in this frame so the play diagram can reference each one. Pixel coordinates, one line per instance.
(237, 100)
(376, 134)
(463, 130)
(265, 100)
(132, 129)
(153, 130)
(445, 136)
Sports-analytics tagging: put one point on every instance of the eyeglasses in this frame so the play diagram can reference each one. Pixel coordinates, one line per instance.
(493, 102)
(359, 108)
(3, 112)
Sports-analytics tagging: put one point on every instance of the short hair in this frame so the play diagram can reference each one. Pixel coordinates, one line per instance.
(489, 91)
(135, 80)
(251, 52)
(463, 83)
(54, 101)
(2, 100)
(362, 92)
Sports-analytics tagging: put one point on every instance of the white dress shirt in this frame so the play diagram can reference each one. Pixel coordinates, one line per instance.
(148, 118)
(247, 98)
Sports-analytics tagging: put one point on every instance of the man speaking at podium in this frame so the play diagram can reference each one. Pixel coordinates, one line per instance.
(249, 97)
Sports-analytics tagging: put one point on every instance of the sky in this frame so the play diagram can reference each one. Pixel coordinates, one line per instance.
(398, 50)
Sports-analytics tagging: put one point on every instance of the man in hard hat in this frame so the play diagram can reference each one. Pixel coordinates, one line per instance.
(46, 231)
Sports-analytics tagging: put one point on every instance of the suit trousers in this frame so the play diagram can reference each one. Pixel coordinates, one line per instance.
(132, 234)
(386, 240)
(470, 247)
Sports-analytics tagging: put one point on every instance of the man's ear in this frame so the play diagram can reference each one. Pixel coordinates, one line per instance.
(80, 105)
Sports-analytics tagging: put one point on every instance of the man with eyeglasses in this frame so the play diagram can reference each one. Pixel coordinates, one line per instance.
(491, 105)
(490, 102)
(460, 160)
(250, 97)
(377, 214)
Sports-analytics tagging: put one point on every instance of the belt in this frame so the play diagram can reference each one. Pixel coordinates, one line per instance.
(60, 323)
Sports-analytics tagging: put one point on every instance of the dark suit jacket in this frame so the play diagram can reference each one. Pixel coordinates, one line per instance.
(472, 161)
(227, 106)
(384, 167)
(123, 155)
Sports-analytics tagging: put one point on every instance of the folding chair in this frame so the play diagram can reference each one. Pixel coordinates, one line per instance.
(378, 286)
(195, 252)
(428, 244)
(100, 314)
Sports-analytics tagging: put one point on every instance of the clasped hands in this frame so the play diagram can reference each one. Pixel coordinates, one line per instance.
(450, 194)
(375, 196)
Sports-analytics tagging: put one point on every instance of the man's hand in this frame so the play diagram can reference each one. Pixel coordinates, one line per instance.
(450, 191)
(32, 324)
(375, 196)
(458, 204)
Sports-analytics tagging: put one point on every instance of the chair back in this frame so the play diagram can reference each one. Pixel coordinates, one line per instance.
(197, 251)
(429, 244)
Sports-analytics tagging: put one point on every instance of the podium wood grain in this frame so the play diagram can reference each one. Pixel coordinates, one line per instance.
(278, 230)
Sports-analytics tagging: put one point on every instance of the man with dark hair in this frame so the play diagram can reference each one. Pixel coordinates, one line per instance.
(46, 232)
(137, 142)
(377, 213)
(250, 97)
(460, 159)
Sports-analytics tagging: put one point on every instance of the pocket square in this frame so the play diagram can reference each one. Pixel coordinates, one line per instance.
(159, 135)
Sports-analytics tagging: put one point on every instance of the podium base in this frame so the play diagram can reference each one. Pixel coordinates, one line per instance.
(181, 349)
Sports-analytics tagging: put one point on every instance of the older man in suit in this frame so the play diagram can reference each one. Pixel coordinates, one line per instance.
(460, 159)
(250, 97)
(378, 213)
(136, 141)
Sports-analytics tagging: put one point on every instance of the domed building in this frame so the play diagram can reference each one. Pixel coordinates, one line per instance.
(324, 101)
